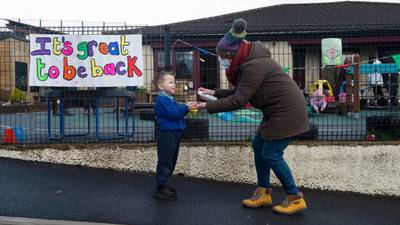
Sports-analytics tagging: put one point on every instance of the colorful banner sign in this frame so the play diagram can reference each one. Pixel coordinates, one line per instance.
(331, 51)
(86, 60)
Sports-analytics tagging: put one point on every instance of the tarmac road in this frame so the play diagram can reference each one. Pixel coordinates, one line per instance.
(59, 192)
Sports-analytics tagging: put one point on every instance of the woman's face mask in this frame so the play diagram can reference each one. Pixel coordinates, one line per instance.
(225, 63)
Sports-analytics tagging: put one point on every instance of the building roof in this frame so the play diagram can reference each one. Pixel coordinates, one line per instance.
(316, 18)
(5, 35)
(9, 34)
(24, 28)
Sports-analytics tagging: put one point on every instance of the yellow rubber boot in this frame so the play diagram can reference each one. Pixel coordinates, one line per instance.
(261, 198)
(292, 204)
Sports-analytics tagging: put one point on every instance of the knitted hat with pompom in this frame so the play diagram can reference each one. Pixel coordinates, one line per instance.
(231, 41)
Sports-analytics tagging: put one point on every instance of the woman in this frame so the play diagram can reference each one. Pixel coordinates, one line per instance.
(258, 79)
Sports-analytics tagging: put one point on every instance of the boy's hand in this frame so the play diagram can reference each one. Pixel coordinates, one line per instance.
(192, 104)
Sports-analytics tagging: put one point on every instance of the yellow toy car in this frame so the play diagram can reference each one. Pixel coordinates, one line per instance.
(326, 88)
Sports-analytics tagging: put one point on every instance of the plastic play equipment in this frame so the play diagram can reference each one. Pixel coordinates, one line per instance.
(19, 133)
(8, 136)
(241, 116)
(364, 69)
(326, 87)
(371, 68)
(310, 111)
(13, 135)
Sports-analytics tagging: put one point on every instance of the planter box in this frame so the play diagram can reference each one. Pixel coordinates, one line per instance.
(23, 108)
(312, 134)
(147, 114)
(196, 129)
(142, 98)
(383, 127)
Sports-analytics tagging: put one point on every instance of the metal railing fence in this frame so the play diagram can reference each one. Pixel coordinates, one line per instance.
(41, 115)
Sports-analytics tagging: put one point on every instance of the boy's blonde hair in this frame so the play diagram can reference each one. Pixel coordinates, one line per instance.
(159, 78)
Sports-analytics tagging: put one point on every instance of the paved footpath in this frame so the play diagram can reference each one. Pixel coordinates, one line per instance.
(58, 194)
(5, 220)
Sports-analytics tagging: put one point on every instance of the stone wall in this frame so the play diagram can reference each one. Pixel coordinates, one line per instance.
(367, 169)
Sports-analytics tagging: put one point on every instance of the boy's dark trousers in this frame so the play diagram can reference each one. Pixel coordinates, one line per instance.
(167, 152)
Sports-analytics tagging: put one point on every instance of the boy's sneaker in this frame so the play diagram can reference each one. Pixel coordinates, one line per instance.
(171, 189)
(292, 204)
(165, 194)
(261, 198)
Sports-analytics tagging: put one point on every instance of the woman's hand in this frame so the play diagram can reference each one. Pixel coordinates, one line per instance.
(202, 105)
(206, 91)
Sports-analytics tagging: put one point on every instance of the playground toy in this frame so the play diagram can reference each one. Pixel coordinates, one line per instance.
(9, 136)
(372, 68)
(241, 116)
(366, 69)
(13, 135)
(326, 88)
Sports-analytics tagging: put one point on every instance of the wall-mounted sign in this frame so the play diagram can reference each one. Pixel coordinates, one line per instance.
(86, 60)
(331, 51)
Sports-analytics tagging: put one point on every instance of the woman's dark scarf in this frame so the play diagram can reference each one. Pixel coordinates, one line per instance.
(241, 55)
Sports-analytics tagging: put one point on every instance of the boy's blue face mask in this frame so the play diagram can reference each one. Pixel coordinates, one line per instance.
(225, 63)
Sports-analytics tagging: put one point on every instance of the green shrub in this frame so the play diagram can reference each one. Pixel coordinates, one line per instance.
(17, 96)
(141, 90)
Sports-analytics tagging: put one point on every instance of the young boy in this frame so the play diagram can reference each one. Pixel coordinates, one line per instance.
(170, 117)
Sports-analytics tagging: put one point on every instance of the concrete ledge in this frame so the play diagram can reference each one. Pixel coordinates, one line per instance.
(367, 169)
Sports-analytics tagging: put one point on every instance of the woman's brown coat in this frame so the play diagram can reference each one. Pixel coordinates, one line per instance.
(262, 82)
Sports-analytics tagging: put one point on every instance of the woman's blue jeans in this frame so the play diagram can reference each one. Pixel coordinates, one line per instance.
(268, 154)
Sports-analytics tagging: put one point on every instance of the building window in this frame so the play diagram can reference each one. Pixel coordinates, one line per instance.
(184, 65)
(21, 74)
(160, 60)
(299, 64)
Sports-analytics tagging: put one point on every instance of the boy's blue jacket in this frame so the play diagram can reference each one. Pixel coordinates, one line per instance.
(170, 114)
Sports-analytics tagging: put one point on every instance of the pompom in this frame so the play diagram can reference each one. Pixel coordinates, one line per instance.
(239, 26)
(231, 41)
